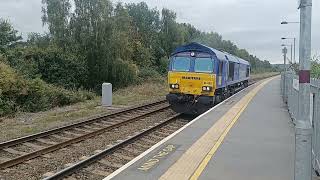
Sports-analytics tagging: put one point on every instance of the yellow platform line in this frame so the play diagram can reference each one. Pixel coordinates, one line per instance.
(192, 163)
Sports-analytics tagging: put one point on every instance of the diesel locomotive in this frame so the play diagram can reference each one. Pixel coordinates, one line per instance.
(200, 77)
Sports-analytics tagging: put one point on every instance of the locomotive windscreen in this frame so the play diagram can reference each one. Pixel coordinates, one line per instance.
(204, 65)
(189, 62)
(181, 64)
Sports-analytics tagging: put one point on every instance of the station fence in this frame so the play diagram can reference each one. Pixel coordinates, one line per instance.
(290, 93)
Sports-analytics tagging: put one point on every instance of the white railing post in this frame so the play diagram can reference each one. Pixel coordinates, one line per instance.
(106, 94)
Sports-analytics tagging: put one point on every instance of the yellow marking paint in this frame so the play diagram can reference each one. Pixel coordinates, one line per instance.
(195, 159)
(150, 163)
(208, 157)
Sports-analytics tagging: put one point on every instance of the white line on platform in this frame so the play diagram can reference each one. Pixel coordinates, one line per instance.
(115, 173)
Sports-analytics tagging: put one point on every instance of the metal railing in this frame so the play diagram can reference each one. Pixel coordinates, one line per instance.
(290, 93)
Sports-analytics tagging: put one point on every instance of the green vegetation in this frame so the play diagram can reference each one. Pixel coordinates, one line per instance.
(315, 67)
(27, 123)
(31, 95)
(90, 43)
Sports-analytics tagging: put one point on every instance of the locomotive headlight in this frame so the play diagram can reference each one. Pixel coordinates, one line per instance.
(207, 88)
(174, 86)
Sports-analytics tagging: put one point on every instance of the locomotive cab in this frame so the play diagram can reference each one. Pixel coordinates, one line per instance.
(191, 81)
(200, 76)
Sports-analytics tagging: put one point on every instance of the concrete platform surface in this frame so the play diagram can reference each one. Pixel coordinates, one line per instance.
(249, 136)
(261, 145)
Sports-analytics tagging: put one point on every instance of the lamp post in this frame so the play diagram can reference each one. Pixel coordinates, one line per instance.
(294, 48)
(287, 45)
(284, 51)
(294, 39)
(285, 22)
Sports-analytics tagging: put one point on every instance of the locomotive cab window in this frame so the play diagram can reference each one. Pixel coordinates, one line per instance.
(220, 70)
(203, 65)
(231, 71)
(248, 71)
(181, 64)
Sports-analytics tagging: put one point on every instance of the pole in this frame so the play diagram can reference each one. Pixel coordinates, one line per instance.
(285, 60)
(303, 130)
(294, 49)
(291, 53)
(284, 51)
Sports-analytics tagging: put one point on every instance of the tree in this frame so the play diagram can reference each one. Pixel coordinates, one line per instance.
(107, 38)
(315, 67)
(121, 36)
(38, 40)
(146, 27)
(210, 39)
(56, 14)
(8, 35)
(169, 34)
(146, 22)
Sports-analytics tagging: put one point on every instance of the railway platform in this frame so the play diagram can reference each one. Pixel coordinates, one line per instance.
(249, 136)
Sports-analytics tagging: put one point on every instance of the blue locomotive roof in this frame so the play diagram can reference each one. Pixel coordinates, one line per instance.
(232, 58)
(194, 47)
(222, 56)
(242, 61)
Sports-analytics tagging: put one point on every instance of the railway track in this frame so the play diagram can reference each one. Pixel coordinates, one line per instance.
(20, 154)
(105, 162)
(22, 149)
(114, 157)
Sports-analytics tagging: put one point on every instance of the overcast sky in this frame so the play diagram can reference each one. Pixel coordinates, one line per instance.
(251, 24)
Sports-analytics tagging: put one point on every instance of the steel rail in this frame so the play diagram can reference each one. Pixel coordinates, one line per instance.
(88, 121)
(57, 146)
(68, 127)
(84, 163)
(63, 144)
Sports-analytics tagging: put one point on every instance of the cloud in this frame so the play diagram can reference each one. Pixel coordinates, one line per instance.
(25, 15)
(251, 24)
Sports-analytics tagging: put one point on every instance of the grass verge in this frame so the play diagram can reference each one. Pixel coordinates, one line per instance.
(28, 123)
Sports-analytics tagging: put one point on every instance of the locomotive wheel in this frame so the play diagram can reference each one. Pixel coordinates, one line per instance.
(218, 99)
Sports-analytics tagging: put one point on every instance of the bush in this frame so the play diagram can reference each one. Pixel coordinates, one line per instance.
(62, 97)
(51, 64)
(315, 69)
(148, 73)
(42, 96)
(19, 94)
(35, 98)
(6, 106)
(123, 73)
(163, 65)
